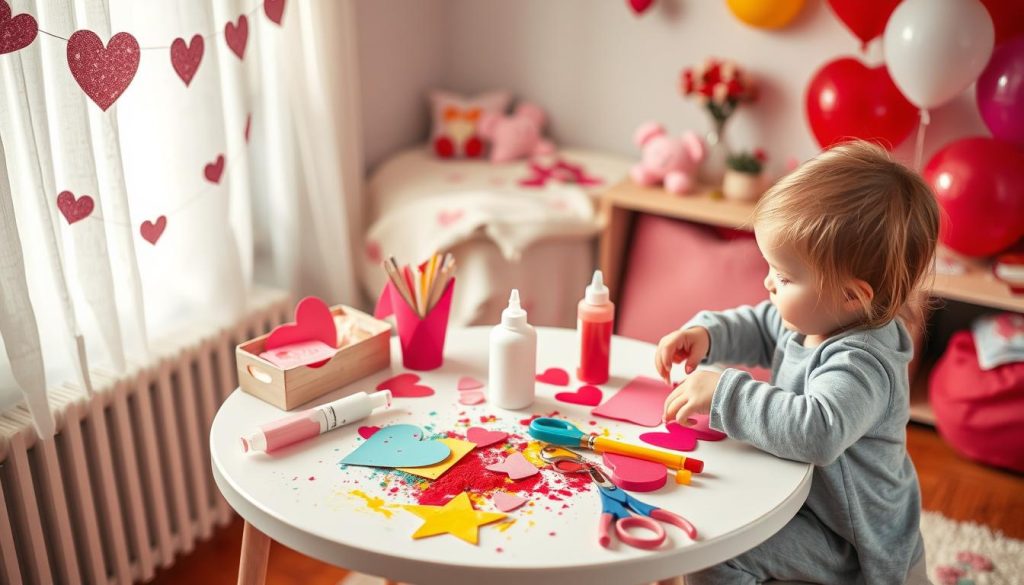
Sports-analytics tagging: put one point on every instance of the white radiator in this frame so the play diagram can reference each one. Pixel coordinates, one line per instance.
(125, 485)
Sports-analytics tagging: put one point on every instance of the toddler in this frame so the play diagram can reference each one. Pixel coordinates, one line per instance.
(849, 238)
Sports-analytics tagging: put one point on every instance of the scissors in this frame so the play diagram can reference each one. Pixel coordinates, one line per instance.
(618, 509)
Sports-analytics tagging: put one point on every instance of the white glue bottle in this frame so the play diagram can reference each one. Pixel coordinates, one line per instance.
(513, 358)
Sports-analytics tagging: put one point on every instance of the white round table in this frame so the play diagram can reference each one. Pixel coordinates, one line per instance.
(306, 501)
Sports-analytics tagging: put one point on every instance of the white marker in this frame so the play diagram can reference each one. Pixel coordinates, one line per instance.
(315, 421)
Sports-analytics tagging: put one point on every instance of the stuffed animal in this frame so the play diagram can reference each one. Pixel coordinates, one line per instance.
(516, 136)
(668, 160)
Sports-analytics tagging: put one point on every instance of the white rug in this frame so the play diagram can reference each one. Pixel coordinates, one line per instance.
(965, 553)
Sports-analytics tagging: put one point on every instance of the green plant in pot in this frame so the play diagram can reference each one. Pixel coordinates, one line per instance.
(743, 175)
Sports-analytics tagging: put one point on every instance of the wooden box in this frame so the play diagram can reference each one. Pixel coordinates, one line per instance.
(288, 388)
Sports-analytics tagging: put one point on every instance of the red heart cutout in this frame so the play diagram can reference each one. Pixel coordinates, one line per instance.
(482, 437)
(313, 322)
(640, 6)
(405, 386)
(103, 73)
(367, 432)
(185, 58)
(678, 438)
(236, 35)
(274, 10)
(554, 376)
(151, 232)
(213, 170)
(586, 395)
(635, 475)
(74, 209)
(15, 33)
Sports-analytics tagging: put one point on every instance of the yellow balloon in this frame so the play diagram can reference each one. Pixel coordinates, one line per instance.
(765, 13)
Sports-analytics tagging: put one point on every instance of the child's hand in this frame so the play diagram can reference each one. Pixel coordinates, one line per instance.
(691, 397)
(689, 344)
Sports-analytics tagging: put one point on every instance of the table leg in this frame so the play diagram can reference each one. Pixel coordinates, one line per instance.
(252, 568)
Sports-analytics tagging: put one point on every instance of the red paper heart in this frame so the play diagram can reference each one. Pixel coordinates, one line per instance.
(586, 395)
(74, 209)
(236, 35)
(405, 386)
(640, 6)
(185, 58)
(15, 33)
(446, 218)
(103, 73)
(213, 170)
(274, 10)
(554, 376)
(367, 432)
(482, 437)
(151, 232)
(313, 322)
(472, 397)
(678, 438)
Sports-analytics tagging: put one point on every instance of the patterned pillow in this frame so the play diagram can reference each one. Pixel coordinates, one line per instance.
(456, 122)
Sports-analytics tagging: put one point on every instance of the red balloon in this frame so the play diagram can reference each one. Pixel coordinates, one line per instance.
(1007, 16)
(864, 18)
(846, 99)
(979, 183)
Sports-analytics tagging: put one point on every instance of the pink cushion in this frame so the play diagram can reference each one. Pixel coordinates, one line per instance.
(456, 120)
(675, 269)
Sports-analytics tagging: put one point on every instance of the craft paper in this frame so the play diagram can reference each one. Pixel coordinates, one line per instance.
(586, 395)
(635, 475)
(469, 383)
(678, 438)
(457, 518)
(704, 432)
(554, 376)
(313, 322)
(507, 502)
(367, 432)
(641, 401)
(482, 437)
(471, 397)
(398, 446)
(459, 449)
(405, 386)
(516, 466)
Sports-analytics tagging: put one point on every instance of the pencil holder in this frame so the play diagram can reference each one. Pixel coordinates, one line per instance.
(421, 338)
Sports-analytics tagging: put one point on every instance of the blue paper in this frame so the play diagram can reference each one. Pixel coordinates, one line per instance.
(398, 446)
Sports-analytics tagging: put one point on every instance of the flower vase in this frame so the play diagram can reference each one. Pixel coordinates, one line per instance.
(712, 170)
(741, 186)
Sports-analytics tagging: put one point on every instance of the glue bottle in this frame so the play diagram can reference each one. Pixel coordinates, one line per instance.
(595, 318)
(513, 358)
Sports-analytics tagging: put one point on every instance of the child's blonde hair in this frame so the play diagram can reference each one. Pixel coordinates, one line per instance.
(853, 212)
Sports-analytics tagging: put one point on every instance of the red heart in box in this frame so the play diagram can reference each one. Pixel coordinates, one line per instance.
(313, 322)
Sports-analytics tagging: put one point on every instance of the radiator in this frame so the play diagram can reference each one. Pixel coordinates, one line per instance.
(125, 486)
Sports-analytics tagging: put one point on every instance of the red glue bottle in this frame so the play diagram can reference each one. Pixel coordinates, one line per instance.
(595, 317)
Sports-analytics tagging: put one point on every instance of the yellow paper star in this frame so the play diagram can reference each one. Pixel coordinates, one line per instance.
(457, 518)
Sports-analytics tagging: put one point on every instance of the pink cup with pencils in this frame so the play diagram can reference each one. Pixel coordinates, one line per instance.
(420, 298)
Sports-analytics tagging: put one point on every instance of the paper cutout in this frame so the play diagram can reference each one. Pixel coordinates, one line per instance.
(15, 33)
(554, 376)
(457, 518)
(367, 432)
(298, 354)
(507, 502)
(635, 475)
(274, 9)
(516, 466)
(73, 209)
(103, 73)
(482, 437)
(405, 386)
(459, 449)
(398, 446)
(421, 339)
(185, 59)
(641, 401)
(213, 171)
(587, 396)
(702, 429)
(678, 438)
(313, 322)
(236, 36)
(469, 383)
(472, 397)
(150, 231)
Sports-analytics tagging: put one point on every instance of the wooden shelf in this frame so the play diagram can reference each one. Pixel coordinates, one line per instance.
(706, 206)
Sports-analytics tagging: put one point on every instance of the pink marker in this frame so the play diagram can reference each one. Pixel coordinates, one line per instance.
(315, 421)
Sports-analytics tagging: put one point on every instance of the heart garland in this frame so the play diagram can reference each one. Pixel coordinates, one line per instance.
(274, 9)
(103, 73)
(213, 171)
(72, 208)
(15, 33)
(151, 231)
(185, 58)
(237, 35)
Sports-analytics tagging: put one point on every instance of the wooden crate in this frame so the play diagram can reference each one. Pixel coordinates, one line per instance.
(288, 388)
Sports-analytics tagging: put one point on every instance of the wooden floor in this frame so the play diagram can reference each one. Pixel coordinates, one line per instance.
(957, 488)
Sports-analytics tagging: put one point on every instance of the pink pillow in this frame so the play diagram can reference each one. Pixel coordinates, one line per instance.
(456, 121)
(517, 136)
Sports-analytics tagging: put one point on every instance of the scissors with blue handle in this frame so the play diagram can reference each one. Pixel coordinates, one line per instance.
(618, 509)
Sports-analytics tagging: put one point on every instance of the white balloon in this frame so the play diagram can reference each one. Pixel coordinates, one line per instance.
(934, 49)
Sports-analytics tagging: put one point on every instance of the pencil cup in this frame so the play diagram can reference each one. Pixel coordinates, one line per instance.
(421, 338)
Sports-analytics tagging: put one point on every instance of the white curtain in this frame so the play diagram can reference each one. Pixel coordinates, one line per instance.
(197, 190)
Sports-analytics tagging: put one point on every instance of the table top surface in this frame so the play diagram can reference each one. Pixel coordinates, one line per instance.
(352, 516)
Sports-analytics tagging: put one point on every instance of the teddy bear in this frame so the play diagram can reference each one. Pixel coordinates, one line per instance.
(668, 160)
(516, 136)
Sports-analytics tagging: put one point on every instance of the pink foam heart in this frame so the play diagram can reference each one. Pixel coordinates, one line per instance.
(313, 322)
(471, 397)
(213, 171)
(468, 383)
(507, 502)
(186, 58)
(274, 10)
(554, 376)
(702, 429)
(483, 437)
(151, 231)
(635, 475)
(516, 466)
(586, 395)
(103, 73)
(74, 209)
(367, 432)
(447, 217)
(16, 33)
(236, 35)
(405, 386)
(678, 438)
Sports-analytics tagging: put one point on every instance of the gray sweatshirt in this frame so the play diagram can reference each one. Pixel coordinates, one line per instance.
(843, 407)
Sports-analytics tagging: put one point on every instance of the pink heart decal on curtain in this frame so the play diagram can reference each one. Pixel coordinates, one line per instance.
(151, 232)
(74, 209)
(274, 10)
(236, 35)
(15, 33)
(586, 395)
(213, 171)
(678, 438)
(103, 73)
(186, 58)
(405, 386)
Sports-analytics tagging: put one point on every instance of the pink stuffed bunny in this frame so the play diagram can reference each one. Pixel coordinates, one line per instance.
(665, 159)
(516, 136)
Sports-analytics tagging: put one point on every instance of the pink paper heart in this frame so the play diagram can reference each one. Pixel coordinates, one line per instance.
(700, 426)
(635, 475)
(313, 322)
(640, 6)
(471, 397)
(103, 73)
(274, 10)
(186, 58)
(586, 395)
(151, 231)
(405, 386)
(447, 217)
(367, 432)
(507, 502)
(516, 466)
(469, 383)
(236, 35)
(212, 171)
(678, 438)
(15, 33)
(483, 437)
(554, 376)
(74, 209)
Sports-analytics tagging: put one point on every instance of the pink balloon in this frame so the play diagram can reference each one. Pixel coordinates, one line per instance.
(1000, 92)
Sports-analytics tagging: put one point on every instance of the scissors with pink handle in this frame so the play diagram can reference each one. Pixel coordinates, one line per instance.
(619, 509)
